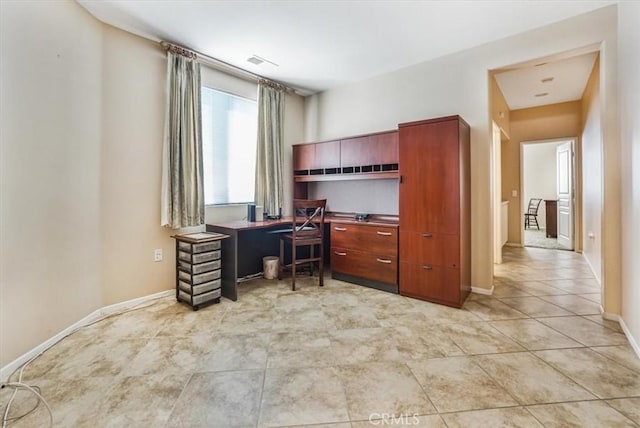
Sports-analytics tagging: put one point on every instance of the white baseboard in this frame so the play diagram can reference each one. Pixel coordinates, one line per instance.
(632, 341)
(480, 290)
(94, 316)
(513, 244)
(593, 271)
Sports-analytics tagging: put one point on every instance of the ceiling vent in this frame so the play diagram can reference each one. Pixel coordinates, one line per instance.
(542, 94)
(547, 80)
(257, 60)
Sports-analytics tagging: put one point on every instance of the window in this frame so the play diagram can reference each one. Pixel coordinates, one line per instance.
(229, 134)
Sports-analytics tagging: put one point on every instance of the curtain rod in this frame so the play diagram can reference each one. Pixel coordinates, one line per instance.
(224, 66)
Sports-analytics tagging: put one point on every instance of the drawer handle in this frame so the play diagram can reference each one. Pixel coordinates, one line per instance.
(340, 229)
(384, 261)
(383, 233)
(338, 253)
(427, 235)
(427, 267)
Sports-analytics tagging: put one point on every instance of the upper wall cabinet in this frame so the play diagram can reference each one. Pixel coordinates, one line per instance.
(376, 149)
(354, 158)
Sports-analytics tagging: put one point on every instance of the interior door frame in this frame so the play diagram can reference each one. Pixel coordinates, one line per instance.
(574, 186)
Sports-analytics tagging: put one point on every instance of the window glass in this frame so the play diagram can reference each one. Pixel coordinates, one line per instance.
(229, 134)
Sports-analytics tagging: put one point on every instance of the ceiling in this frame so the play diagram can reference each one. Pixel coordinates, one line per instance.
(561, 81)
(318, 45)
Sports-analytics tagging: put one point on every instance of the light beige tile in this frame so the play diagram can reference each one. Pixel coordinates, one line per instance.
(479, 338)
(191, 323)
(221, 399)
(575, 304)
(417, 421)
(440, 314)
(138, 401)
(235, 352)
(587, 414)
(364, 345)
(584, 331)
(70, 400)
(529, 380)
(345, 318)
(538, 288)
(598, 374)
(492, 309)
(246, 321)
(613, 325)
(137, 324)
(102, 357)
(301, 349)
(302, 320)
(504, 291)
(420, 344)
(386, 388)
(337, 425)
(297, 301)
(534, 335)
(514, 417)
(455, 384)
(630, 407)
(623, 355)
(594, 297)
(290, 397)
(536, 307)
(180, 355)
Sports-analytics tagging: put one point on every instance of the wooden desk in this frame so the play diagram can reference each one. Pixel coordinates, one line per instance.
(551, 213)
(247, 244)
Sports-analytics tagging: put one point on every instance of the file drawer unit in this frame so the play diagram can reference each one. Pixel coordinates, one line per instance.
(365, 253)
(198, 268)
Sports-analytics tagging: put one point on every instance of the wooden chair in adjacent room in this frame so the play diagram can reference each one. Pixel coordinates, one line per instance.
(308, 231)
(531, 216)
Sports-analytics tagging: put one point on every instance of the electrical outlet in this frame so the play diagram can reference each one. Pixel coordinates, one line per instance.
(157, 255)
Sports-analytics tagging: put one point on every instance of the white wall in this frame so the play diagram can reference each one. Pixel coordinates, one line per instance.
(592, 178)
(364, 196)
(629, 39)
(458, 84)
(82, 119)
(539, 175)
(50, 132)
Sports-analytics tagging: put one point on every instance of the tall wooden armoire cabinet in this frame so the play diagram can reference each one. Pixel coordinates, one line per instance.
(435, 210)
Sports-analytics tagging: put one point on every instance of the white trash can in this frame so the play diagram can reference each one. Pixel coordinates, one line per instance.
(270, 267)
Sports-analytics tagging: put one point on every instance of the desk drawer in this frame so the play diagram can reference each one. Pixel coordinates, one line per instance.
(434, 249)
(433, 283)
(198, 279)
(199, 248)
(364, 265)
(370, 238)
(199, 268)
(199, 258)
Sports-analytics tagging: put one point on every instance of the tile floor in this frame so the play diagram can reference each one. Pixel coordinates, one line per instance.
(536, 353)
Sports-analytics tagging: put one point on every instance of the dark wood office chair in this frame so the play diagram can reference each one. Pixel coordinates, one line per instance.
(531, 216)
(308, 230)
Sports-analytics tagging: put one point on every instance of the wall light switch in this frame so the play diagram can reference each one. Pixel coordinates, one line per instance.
(514, 193)
(157, 255)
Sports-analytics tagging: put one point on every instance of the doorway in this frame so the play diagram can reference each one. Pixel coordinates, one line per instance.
(548, 208)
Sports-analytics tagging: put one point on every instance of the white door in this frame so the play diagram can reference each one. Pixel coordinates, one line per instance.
(564, 157)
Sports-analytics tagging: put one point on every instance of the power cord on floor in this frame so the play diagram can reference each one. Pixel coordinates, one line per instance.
(35, 389)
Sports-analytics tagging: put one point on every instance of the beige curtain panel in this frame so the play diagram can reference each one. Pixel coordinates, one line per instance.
(269, 157)
(182, 175)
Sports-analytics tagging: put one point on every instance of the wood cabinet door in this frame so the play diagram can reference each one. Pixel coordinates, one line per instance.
(354, 152)
(327, 155)
(433, 283)
(429, 178)
(433, 249)
(303, 157)
(383, 148)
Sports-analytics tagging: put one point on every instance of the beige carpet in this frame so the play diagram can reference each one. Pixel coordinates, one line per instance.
(538, 238)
